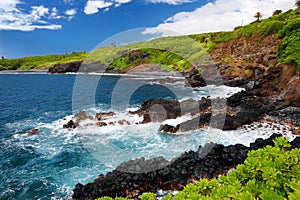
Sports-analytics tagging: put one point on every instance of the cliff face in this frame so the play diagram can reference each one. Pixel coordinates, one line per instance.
(246, 58)
(255, 59)
(67, 67)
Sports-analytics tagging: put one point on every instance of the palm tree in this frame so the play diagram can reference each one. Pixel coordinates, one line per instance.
(258, 15)
(277, 12)
(297, 3)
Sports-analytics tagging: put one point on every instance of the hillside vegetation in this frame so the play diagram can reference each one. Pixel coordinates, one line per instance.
(40, 62)
(179, 53)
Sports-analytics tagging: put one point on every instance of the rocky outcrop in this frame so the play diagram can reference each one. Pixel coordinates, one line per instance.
(208, 161)
(242, 59)
(173, 108)
(99, 119)
(70, 124)
(64, 68)
(78, 117)
(238, 61)
(135, 55)
(104, 115)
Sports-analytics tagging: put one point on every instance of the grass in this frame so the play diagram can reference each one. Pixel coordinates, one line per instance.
(181, 52)
(40, 62)
(174, 53)
(285, 25)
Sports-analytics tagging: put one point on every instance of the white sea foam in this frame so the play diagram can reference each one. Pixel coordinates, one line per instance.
(216, 91)
(113, 144)
(178, 120)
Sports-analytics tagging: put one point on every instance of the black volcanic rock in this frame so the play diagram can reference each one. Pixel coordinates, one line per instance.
(64, 68)
(172, 108)
(208, 161)
(70, 124)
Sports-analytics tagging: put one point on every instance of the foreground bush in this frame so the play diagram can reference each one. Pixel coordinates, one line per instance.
(268, 173)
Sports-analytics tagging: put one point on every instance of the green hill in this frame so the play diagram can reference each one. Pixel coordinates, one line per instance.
(40, 62)
(178, 53)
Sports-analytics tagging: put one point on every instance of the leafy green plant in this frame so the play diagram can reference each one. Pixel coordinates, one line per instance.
(289, 49)
(167, 197)
(148, 196)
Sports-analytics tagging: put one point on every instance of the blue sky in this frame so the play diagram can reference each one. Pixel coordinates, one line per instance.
(36, 27)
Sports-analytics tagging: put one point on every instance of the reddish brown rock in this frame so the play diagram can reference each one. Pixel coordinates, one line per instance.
(104, 115)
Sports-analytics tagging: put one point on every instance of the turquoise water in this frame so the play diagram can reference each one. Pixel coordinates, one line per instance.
(49, 164)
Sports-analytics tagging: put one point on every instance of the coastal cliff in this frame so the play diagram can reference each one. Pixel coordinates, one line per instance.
(256, 61)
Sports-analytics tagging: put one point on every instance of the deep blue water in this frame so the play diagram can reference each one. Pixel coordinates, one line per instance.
(51, 163)
(48, 165)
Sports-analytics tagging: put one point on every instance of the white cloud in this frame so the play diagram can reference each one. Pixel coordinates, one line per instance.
(222, 15)
(13, 18)
(122, 1)
(172, 2)
(70, 13)
(54, 14)
(38, 11)
(93, 6)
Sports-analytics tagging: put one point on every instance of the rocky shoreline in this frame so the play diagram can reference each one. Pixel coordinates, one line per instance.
(270, 92)
(208, 161)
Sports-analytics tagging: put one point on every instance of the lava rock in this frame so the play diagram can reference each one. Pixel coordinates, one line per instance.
(64, 68)
(70, 124)
(104, 115)
(209, 161)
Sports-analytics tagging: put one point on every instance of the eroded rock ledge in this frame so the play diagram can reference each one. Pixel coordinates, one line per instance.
(65, 68)
(208, 161)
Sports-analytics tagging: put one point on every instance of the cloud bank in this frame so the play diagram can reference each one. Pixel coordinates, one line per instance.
(12, 17)
(93, 6)
(222, 15)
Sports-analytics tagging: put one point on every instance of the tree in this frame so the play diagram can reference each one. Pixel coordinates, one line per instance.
(2, 58)
(297, 3)
(258, 15)
(277, 12)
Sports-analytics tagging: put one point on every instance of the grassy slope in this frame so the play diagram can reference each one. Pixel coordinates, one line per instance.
(177, 53)
(40, 62)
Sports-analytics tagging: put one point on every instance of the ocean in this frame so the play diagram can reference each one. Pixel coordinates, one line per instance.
(49, 164)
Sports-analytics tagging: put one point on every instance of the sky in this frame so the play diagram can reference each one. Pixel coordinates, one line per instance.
(36, 27)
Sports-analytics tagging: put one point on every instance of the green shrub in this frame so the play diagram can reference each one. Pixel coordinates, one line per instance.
(288, 50)
(272, 27)
(148, 196)
(167, 197)
(105, 198)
